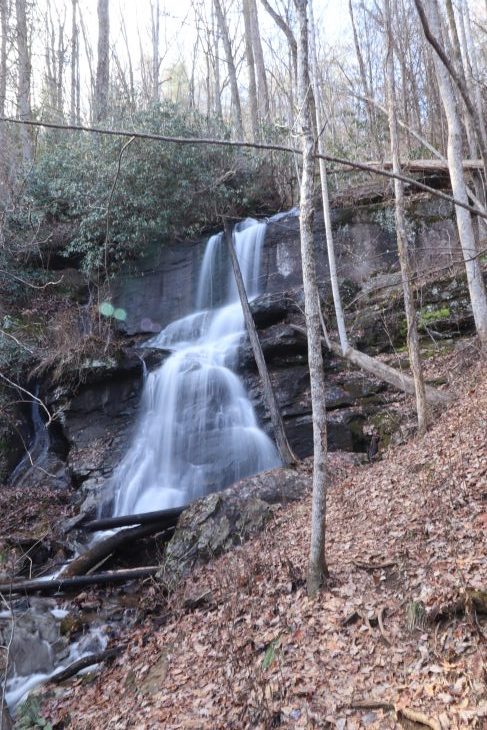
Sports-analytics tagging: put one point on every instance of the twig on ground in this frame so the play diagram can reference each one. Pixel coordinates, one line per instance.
(406, 712)
(373, 566)
(380, 620)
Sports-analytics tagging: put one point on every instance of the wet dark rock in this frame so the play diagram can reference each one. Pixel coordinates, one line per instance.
(97, 416)
(280, 345)
(270, 308)
(215, 523)
(36, 645)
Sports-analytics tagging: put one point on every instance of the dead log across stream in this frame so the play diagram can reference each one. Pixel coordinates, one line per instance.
(87, 661)
(61, 585)
(101, 549)
(164, 518)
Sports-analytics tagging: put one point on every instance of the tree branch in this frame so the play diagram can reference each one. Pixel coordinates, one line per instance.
(251, 145)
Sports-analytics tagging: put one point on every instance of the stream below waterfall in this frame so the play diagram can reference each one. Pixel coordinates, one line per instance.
(196, 432)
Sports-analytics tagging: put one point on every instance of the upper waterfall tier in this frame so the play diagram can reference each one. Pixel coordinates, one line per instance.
(197, 431)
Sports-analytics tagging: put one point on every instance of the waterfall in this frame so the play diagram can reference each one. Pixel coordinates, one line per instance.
(197, 431)
(37, 451)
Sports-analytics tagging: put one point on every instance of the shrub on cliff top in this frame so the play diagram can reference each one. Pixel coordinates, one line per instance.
(163, 190)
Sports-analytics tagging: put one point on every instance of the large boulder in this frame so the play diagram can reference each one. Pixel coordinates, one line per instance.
(214, 524)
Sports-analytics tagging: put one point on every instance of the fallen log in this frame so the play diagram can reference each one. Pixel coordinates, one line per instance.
(61, 585)
(380, 370)
(92, 556)
(428, 166)
(83, 663)
(164, 518)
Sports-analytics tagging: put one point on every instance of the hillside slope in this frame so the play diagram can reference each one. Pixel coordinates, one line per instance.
(239, 645)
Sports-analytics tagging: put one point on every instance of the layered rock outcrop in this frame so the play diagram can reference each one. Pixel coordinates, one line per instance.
(97, 416)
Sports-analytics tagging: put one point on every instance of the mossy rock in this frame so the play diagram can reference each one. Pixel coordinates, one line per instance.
(212, 525)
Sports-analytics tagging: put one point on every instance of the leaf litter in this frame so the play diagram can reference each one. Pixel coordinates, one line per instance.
(406, 536)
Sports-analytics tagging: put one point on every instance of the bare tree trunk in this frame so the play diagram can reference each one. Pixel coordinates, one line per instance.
(432, 31)
(249, 53)
(365, 82)
(324, 193)
(282, 443)
(24, 79)
(4, 14)
(469, 128)
(317, 568)
(402, 242)
(129, 60)
(281, 23)
(262, 90)
(50, 61)
(155, 21)
(232, 73)
(5, 718)
(61, 61)
(89, 58)
(74, 101)
(103, 61)
(216, 69)
(4, 159)
(470, 50)
(455, 162)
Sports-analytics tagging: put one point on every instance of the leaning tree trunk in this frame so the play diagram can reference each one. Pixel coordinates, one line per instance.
(402, 242)
(455, 163)
(379, 369)
(432, 31)
(317, 569)
(282, 443)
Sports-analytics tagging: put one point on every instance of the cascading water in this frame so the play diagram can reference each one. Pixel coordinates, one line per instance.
(197, 431)
(36, 454)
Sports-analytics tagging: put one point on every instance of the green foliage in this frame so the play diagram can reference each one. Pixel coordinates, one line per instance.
(163, 190)
(28, 716)
(427, 316)
(14, 356)
(270, 654)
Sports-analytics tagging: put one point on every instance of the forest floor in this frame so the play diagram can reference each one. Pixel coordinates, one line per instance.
(395, 632)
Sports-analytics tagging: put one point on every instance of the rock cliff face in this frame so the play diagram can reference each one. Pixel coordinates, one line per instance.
(162, 287)
(98, 416)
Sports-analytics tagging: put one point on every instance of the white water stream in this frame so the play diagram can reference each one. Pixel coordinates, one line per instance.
(197, 431)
